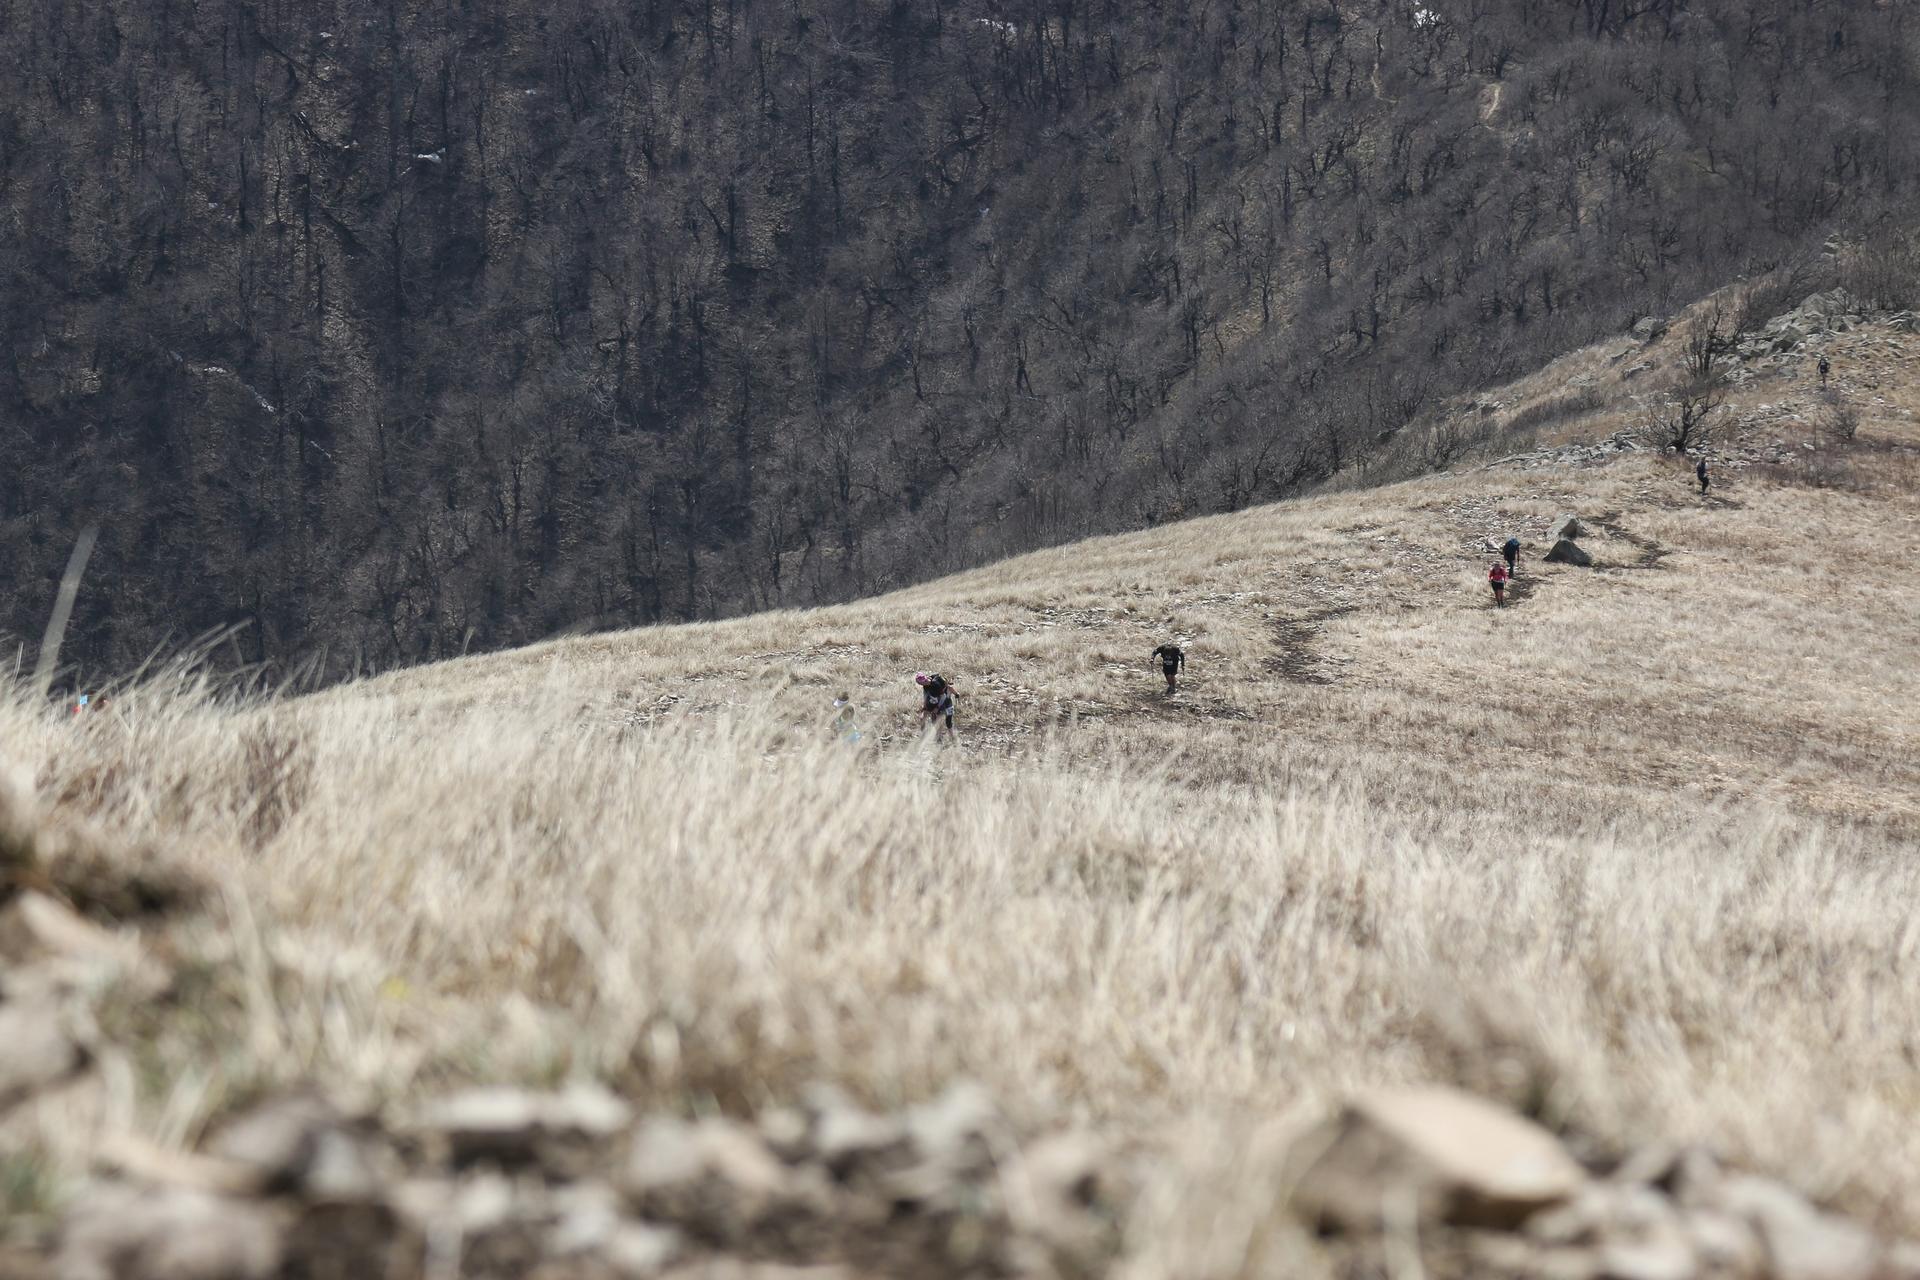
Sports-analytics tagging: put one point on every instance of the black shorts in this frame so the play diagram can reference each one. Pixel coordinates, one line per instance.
(1169, 670)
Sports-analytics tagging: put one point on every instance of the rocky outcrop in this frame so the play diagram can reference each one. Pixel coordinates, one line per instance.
(1586, 453)
(1833, 303)
(1835, 311)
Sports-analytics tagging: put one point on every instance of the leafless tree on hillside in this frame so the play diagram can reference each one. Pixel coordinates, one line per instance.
(1677, 419)
(1707, 340)
(1838, 416)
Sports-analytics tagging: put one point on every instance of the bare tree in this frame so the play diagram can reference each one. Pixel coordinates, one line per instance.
(1838, 416)
(1678, 418)
(1707, 340)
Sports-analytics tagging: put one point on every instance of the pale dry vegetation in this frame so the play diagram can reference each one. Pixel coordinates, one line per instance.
(1634, 854)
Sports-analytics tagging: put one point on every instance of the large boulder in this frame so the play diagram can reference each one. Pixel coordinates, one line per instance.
(1566, 527)
(1444, 1155)
(1649, 329)
(1567, 551)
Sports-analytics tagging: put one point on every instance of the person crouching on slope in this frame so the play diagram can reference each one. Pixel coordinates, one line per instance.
(1172, 662)
(1497, 576)
(936, 701)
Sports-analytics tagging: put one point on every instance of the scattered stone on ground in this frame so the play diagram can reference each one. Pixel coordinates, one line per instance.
(1587, 453)
(573, 1184)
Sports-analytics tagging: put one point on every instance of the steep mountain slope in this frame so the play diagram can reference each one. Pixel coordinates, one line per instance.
(1632, 855)
(1738, 648)
(394, 332)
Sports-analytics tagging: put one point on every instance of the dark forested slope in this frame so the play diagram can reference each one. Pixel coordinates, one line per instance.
(392, 329)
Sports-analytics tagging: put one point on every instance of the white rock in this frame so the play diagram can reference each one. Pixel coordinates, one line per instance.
(1801, 1242)
(34, 925)
(120, 1231)
(1463, 1159)
(35, 1051)
(300, 1141)
(1723, 1241)
(1665, 1258)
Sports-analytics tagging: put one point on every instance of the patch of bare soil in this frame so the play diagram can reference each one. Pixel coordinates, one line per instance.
(1299, 659)
(1651, 553)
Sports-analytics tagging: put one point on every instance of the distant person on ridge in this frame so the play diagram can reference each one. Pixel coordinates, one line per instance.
(1825, 369)
(1497, 576)
(1172, 663)
(1511, 551)
(1700, 473)
(936, 701)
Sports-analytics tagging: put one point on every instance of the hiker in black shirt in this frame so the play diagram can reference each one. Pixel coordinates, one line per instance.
(936, 702)
(1172, 662)
(1700, 473)
(1511, 550)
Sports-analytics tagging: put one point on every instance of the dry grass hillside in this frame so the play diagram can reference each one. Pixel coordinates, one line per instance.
(1633, 855)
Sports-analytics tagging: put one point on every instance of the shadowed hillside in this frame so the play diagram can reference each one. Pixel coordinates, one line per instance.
(391, 332)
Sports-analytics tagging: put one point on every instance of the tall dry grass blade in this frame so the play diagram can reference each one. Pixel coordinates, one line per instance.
(62, 610)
